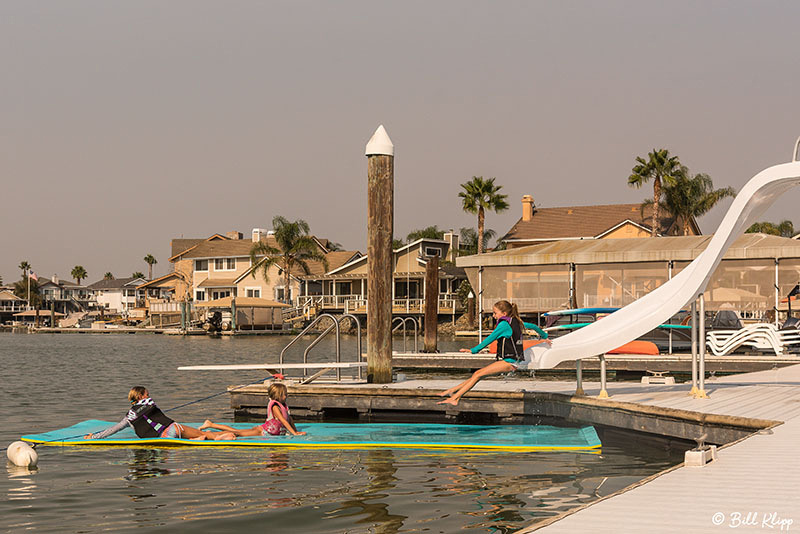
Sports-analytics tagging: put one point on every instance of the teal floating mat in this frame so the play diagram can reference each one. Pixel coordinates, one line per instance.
(354, 436)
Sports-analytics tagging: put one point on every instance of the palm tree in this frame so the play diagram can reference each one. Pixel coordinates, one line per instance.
(108, 276)
(430, 232)
(784, 229)
(296, 249)
(662, 169)
(28, 289)
(468, 240)
(690, 197)
(78, 273)
(150, 260)
(479, 195)
(24, 266)
(137, 274)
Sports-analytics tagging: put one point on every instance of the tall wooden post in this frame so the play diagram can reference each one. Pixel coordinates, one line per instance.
(380, 230)
(431, 303)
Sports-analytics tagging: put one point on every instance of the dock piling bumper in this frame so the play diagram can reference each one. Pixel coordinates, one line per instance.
(603, 392)
(579, 378)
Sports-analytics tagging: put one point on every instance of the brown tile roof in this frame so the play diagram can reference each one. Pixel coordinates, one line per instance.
(182, 245)
(218, 282)
(229, 248)
(582, 221)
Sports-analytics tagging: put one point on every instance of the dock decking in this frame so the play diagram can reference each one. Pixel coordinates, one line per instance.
(759, 475)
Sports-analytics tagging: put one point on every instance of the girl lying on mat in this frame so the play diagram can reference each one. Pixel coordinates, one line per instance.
(510, 350)
(148, 421)
(278, 418)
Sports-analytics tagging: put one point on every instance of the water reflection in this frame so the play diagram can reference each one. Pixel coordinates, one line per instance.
(145, 463)
(22, 476)
(381, 471)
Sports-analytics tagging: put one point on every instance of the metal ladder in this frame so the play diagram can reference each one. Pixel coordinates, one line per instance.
(319, 338)
(402, 323)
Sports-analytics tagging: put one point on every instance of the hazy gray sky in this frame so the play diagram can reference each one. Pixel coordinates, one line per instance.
(123, 125)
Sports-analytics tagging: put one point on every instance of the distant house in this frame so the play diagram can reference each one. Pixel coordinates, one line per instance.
(344, 289)
(118, 295)
(10, 304)
(64, 296)
(608, 221)
(219, 267)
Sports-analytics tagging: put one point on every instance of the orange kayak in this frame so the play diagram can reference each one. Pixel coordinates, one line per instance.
(634, 347)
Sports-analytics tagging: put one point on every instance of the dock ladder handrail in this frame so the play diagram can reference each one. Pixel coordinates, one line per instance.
(322, 334)
(402, 322)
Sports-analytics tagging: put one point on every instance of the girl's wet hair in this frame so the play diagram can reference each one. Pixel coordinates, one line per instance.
(137, 393)
(510, 310)
(276, 390)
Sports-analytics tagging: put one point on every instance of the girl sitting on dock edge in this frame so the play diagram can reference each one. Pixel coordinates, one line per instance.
(510, 350)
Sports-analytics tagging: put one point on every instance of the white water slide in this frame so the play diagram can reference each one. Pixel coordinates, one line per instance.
(655, 308)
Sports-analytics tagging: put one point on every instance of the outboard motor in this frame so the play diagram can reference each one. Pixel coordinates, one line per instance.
(213, 324)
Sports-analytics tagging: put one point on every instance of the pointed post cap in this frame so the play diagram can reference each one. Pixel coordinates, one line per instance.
(380, 144)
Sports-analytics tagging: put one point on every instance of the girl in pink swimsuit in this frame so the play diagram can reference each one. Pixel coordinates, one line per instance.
(278, 422)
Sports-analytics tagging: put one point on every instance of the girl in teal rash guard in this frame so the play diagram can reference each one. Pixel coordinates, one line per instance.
(510, 351)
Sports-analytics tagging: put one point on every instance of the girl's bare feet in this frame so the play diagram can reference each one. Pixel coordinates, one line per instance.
(451, 400)
(206, 424)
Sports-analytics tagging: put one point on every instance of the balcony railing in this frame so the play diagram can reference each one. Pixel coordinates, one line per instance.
(13, 307)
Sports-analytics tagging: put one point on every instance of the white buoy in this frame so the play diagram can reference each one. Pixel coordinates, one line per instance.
(22, 454)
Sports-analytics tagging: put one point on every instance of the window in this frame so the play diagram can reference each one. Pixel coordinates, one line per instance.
(279, 294)
(253, 292)
(220, 294)
(225, 264)
(443, 285)
(200, 265)
(432, 251)
(199, 295)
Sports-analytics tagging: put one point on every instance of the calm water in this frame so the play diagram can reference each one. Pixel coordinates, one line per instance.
(52, 381)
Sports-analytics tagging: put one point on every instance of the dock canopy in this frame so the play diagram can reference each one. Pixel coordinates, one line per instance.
(42, 313)
(242, 302)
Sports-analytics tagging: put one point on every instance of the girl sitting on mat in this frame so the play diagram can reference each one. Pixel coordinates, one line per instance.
(278, 418)
(510, 350)
(148, 421)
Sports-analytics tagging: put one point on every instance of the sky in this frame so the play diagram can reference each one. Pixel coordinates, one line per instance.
(125, 125)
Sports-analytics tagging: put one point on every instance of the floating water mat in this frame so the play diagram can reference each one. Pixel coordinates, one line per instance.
(355, 436)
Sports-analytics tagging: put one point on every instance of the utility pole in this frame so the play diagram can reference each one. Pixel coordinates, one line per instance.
(380, 264)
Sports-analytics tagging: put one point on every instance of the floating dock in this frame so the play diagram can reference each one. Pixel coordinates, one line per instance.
(755, 416)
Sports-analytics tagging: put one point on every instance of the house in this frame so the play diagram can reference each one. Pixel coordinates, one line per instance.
(10, 304)
(220, 266)
(344, 289)
(118, 295)
(608, 221)
(65, 296)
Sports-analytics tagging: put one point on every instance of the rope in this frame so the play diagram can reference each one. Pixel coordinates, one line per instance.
(277, 375)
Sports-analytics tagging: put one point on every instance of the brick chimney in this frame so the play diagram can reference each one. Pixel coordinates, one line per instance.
(234, 235)
(527, 208)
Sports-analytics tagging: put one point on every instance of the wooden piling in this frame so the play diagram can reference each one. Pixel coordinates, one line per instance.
(431, 303)
(380, 231)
